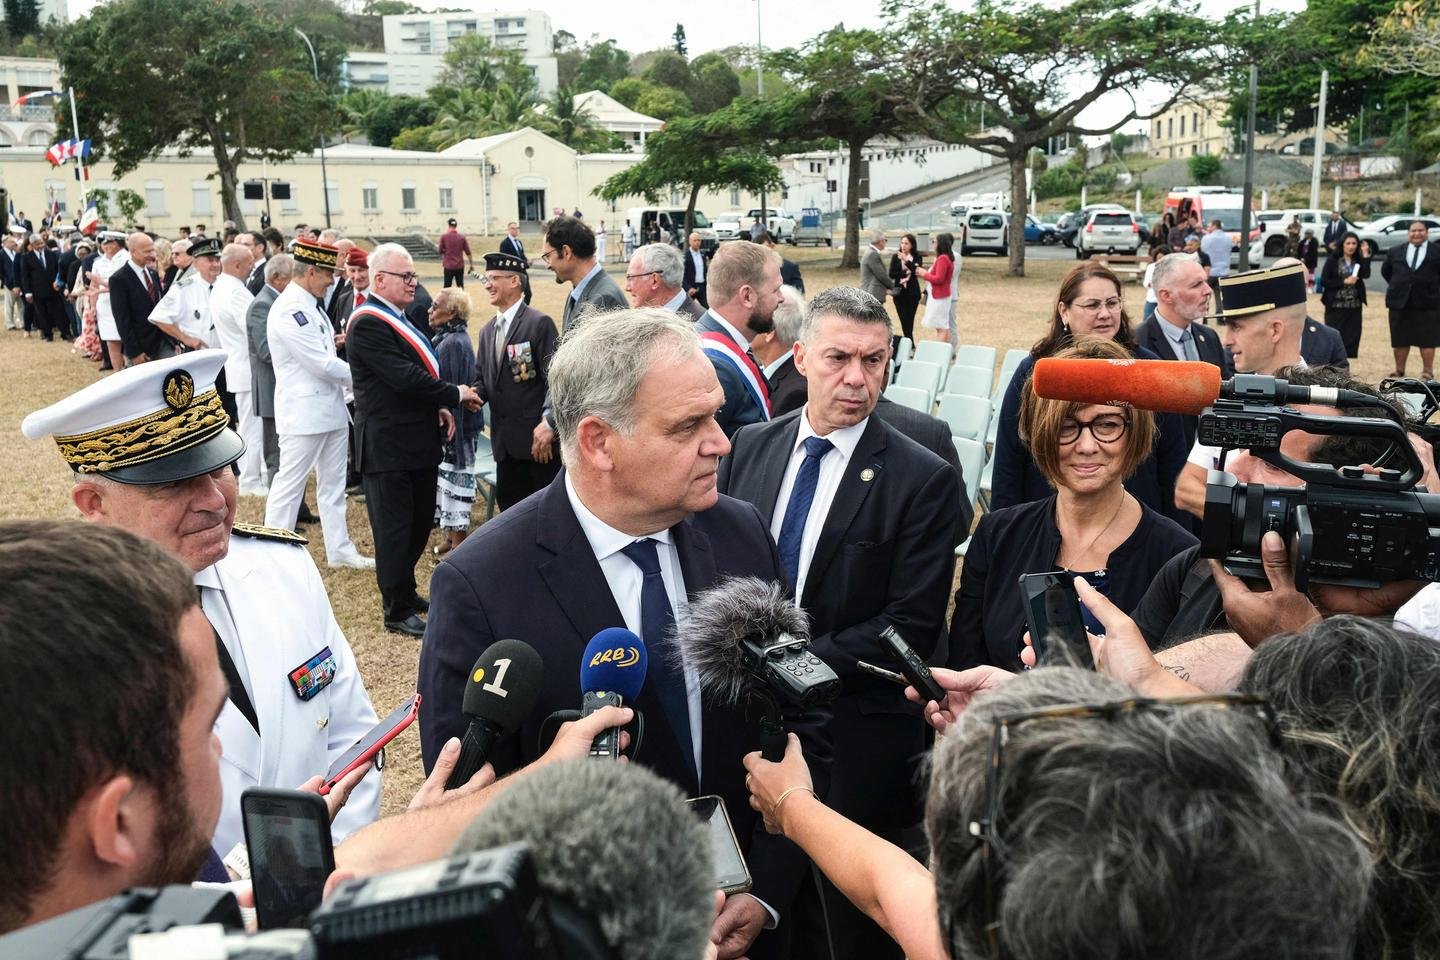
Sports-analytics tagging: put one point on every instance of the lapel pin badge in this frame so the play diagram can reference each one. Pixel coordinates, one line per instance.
(867, 475)
(322, 723)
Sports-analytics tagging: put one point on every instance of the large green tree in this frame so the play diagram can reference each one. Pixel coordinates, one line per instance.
(219, 76)
(601, 64)
(474, 62)
(575, 128)
(715, 85)
(1037, 67)
(22, 17)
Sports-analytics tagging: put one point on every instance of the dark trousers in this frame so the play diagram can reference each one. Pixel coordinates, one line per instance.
(401, 504)
(905, 309)
(271, 441)
(701, 297)
(1347, 321)
(50, 318)
(457, 275)
(517, 479)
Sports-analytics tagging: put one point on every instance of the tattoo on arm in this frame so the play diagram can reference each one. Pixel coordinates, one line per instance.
(1179, 671)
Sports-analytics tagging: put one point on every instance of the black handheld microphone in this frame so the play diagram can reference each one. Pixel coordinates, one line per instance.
(503, 687)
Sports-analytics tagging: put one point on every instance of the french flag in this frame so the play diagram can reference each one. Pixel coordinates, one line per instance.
(66, 150)
(38, 95)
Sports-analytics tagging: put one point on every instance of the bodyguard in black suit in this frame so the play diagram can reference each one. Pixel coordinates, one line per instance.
(1322, 346)
(510, 376)
(787, 387)
(1184, 297)
(38, 269)
(398, 401)
(1413, 298)
(697, 271)
(512, 245)
(131, 302)
(633, 528)
(864, 519)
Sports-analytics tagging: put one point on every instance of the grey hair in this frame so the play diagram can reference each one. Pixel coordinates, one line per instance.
(329, 235)
(1358, 705)
(1167, 267)
(235, 253)
(851, 303)
(665, 259)
(876, 235)
(280, 265)
(1166, 832)
(599, 366)
(384, 256)
(456, 299)
(790, 316)
(617, 842)
(724, 615)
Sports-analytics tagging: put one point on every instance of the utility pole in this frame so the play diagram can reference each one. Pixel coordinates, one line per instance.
(1245, 203)
(760, 93)
(1319, 142)
(324, 177)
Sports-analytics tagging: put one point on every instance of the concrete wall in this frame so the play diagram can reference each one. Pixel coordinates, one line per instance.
(895, 167)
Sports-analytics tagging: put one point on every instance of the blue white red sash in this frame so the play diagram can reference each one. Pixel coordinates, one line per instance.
(421, 345)
(719, 345)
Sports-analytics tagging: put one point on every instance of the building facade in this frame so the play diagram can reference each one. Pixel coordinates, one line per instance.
(1190, 128)
(30, 125)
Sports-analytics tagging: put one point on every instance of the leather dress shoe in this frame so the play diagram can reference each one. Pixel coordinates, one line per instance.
(411, 626)
(420, 603)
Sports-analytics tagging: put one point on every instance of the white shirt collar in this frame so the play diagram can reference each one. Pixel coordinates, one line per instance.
(731, 331)
(375, 296)
(604, 539)
(770, 368)
(575, 291)
(1171, 331)
(846, 439)
(673, 304)
(507, 316)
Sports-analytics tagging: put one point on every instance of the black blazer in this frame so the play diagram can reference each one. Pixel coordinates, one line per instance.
(789, 274)
(515, 248)
(1207, 345)
(1331, 280)
(788, 390)
(10, 269)
(689, 281)
(397, 400)
(933, 434)
(131, 304)
(1322, 346)
(885, 557)
(38, 279)
(515, 405)
(899, 271)
(555, 598)
(256, 281)
(989, 617)
(1412, 289)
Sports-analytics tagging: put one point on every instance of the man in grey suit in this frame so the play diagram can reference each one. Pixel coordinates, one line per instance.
(569, 251)
(278, 271)
(654, 280)
(874, 276)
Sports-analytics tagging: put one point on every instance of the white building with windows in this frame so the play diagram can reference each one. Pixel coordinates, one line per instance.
(32, 125)
(610, 114)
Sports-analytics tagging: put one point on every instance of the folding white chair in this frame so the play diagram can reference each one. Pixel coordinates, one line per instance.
(967, 417)
(913, 397)
(933, 351)
(918, 373)
(968, 381)
(975, 355)
(972, 465)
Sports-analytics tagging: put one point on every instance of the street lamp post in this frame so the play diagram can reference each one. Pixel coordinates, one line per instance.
(1246, 202)
(324, 177)
(760, 94)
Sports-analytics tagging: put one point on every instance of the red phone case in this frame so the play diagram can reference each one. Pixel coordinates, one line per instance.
(375, 748)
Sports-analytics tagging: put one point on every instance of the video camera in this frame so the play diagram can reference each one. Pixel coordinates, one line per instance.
(483, 904)
(1346, 526)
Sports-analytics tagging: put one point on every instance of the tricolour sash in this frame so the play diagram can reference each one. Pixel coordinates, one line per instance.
(409, 334)
(719, 345)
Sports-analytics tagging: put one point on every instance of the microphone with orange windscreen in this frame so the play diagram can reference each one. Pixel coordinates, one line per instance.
(1171, 386)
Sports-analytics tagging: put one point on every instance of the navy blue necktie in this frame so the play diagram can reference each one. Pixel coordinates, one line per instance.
(802, 494)
(657, 619)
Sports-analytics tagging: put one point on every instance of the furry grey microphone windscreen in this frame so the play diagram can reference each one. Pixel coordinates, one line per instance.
(721, 618)
(618, 842)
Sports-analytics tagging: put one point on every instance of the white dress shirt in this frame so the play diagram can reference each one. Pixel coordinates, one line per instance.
(625, 581)
(832, 469)
(673, 304)
(698, 258)
(503, 321)
(1173, 335)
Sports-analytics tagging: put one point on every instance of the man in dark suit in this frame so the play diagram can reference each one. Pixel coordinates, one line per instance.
(1413, 298)
(134, 292)
(631, 529)
(510, 376)
(744, 289)
(261, 252)
(38, 269)
(401, 412)
(278, 271)
(512, 244)
(1175, 332)
(864, 518)
(697, 268)
(775, 353)
(654, 279)
(1322, 346)
(789, 269)
(10, 277)
(352, 294)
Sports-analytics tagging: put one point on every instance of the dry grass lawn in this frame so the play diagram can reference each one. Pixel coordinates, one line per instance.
(34, 482)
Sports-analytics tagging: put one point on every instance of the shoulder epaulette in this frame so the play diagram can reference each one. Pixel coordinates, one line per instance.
(256, 532)
(183, 281)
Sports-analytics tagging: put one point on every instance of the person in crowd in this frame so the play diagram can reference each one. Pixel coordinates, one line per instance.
(1309, 254)
(164, 257)
(180, 266)
(774, 351)
(1179, 230)
(1412, 271)
(10, 277)
(569, 251)
(602, 242)
(944, 280)
(789, 269)
(1054, 778)
(509, 373)
(258, 587)
(1160, 229)
(697, 268)
(873, 278)
(310, 415)
(183, 313)
(1218, 247)
(134, 294)
(260, 251)
(113, 256)
(455, 493)
(1092, 526)
(1292, 238)
(38, 269)
(744, 291)
(1196, 252)
(906, 266)
(826, 481)
(515, 247)
(454, 250)
(1090, 304)
(279, 269)
(1151, 300)
(627, 237)
(1175, 330)
(635, 401)
(655, 278)
(77, 284)
(230, 302)
(1334, 232)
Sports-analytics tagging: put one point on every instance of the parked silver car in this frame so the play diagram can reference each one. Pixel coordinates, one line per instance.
(1108, 231)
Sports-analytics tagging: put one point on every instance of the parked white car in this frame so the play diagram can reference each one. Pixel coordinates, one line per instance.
(1392, 231)
(1272, 223)
(1108, 231)
(777, 220)
(731, 225)
(987, 230)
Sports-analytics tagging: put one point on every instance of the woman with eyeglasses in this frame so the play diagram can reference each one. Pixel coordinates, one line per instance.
(1091, 526)
(449, 314)
(1090, 304)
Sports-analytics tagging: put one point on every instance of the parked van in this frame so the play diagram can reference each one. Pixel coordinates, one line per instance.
(672, 226)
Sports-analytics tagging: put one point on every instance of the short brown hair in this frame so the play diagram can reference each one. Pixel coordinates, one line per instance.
(1058, 337)
(736, 265)
(1040, 419)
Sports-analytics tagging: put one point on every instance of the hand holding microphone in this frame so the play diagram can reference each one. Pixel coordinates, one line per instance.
(612, 674)
(503, 687)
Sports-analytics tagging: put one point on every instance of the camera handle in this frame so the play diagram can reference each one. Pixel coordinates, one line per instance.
(772, 738)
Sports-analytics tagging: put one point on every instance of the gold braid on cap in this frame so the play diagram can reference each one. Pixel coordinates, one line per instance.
(151, 437)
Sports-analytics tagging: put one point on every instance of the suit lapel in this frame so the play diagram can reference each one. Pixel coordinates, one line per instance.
(869, 455)
(268, 698)
(698, 567)
(773, 469)
(572, 574)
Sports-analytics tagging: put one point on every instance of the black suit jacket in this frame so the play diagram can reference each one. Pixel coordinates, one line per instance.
(1322, 346)
(397, 400)
(690, 308)
(689, 280)
(256, 281)
(788, 389)
(515, 248)
(1412, 289)
(555, 597)
(515, 405)
(38, 279)
(885, 557)
(933, 434)
(1207, 345)
(131, 304)
(10, 269)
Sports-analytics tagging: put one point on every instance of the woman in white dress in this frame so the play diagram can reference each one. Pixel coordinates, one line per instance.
(113, 256)
(943, 277)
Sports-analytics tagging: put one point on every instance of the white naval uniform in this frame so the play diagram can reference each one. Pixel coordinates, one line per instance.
(270, 596)
(310, 417)
(104, 268)
(187, 305)
(230, 308)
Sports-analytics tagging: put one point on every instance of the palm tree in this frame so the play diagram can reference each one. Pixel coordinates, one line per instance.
(358, 109)
(576, 128)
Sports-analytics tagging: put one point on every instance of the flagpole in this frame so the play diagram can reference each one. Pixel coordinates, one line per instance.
(79, 155)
